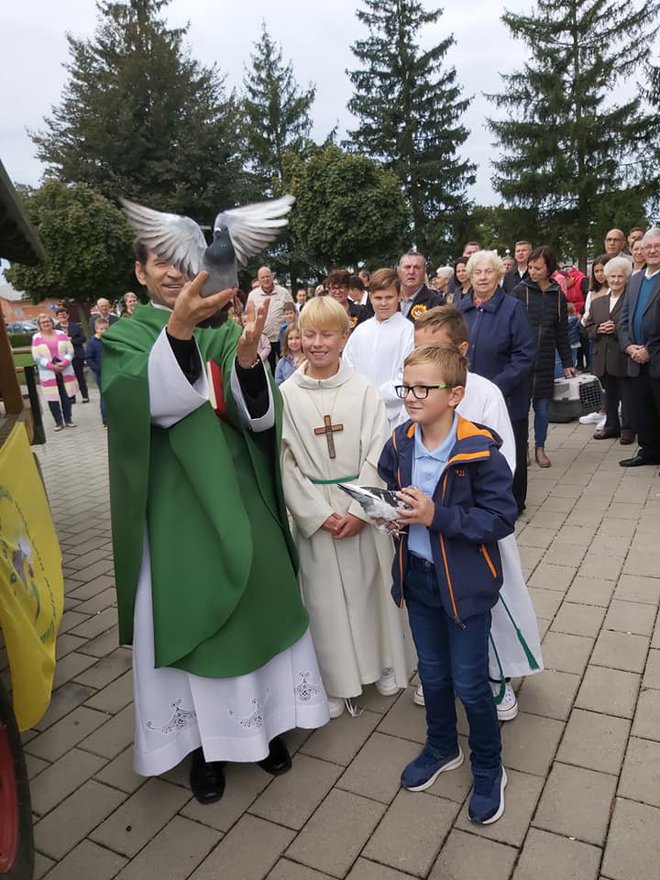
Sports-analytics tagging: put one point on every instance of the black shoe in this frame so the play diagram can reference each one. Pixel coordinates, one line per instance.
(637, 461)
(85, 400)
(278, 760)
(207, 778)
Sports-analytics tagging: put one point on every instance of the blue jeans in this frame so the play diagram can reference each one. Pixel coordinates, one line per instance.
(541, 412)
(453, 662)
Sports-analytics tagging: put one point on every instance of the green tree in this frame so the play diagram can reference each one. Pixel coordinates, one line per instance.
(140, 117)
(570, 152)
(276, 111)
(87, 243)
(408, 105)
(348, 209)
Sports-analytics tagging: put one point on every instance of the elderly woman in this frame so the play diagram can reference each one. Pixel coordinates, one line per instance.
(441, 279)
(548, 316)
(501, 349)
(609, 362)
(53, 354)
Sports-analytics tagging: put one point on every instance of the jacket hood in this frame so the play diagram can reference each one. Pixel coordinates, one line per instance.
(532, 285)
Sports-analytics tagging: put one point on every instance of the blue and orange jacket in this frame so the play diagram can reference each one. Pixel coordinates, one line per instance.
(474, 508)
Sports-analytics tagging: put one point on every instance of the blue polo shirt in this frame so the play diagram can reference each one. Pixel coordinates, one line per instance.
(426, 472)
(643, 298)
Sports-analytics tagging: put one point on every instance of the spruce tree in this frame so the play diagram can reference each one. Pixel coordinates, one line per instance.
(276, 111)
(140, 117)
(570, 152)
(408, 105)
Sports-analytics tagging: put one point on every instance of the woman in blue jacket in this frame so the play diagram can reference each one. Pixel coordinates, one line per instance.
(501, 349)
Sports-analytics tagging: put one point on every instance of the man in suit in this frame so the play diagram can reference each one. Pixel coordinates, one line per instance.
(103, 310)
(519, 272)
(416, 297)
(639, 337)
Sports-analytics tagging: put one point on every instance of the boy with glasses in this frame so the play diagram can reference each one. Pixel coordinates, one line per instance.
(457, 486)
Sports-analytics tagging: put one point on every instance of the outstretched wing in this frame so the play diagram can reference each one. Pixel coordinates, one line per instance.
(253, 227)
(179, 240)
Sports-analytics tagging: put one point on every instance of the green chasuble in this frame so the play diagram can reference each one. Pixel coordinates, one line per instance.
(223, 565)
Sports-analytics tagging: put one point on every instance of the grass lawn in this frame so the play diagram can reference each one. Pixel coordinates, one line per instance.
(21, 360)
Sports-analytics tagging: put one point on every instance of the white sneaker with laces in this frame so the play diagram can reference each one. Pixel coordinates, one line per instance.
(386, 684)
(507, 704)
(418, 696)
(591, 418)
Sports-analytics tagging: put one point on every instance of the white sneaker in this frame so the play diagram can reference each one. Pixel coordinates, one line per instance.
(418, 696)
(507, 706)
(386, 684)
(336, 705)
(591, 418)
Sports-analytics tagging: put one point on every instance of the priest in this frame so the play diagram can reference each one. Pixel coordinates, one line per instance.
(205, 568)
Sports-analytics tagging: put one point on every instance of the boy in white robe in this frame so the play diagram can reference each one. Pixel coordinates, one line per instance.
(333, 432)
(515, 646)
(378, 347)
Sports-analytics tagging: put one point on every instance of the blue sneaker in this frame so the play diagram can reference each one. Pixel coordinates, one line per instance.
(487, 800)
(425, 769)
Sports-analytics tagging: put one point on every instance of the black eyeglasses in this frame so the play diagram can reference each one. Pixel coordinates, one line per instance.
(419, 392)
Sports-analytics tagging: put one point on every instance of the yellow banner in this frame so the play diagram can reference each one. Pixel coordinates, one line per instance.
(31, 583)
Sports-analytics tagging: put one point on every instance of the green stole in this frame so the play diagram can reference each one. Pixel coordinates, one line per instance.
(223, 564)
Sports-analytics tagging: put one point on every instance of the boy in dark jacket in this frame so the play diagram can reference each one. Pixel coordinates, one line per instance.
(457, 485)
(93, 351)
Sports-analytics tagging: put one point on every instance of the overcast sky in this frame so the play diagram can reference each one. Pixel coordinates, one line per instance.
(315, 36)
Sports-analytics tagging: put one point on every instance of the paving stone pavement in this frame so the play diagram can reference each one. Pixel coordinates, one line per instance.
(583, 756)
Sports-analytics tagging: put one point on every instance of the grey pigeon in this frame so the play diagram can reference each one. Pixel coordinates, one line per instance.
(377, 503)
(238, 234)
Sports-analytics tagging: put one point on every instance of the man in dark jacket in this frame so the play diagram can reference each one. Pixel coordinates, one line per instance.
(75, 333)
(519, 272)
(639, 337)
(416, 297)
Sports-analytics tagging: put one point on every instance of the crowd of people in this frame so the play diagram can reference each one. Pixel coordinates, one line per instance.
(257, 593)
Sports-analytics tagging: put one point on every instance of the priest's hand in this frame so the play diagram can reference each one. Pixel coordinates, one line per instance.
(190, 308)
(421, 508)
(348, 526)
(253, 326)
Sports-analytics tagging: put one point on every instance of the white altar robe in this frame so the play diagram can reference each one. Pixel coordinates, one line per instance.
(233, 719)
(514, 628)
(377, 350)
(357, 629)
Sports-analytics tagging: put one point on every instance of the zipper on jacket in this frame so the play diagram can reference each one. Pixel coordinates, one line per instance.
(489, 561)
(446, 565)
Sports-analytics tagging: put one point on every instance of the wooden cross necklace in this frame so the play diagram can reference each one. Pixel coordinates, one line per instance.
(329, 429)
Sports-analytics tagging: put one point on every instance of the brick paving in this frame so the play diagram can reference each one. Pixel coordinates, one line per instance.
(583, 756)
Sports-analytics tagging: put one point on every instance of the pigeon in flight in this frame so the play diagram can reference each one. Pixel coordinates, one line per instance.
(238, 234)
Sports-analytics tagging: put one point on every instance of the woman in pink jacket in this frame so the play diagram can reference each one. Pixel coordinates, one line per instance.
(53, 354)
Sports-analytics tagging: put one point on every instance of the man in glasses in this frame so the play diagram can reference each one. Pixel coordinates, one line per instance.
(338, 285)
